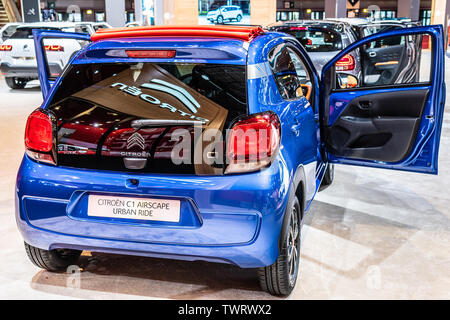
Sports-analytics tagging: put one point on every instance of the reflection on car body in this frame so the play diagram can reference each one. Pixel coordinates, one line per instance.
(225, 13)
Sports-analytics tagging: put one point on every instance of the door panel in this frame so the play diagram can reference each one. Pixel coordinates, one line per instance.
(379, 126)
(393, 122)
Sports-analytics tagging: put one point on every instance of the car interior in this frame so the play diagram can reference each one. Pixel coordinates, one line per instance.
(378, 126)
(291, 76)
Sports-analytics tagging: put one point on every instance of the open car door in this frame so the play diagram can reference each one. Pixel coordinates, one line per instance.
(380, 118)
(54, 50)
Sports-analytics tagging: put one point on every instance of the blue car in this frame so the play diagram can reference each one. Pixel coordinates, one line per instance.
(210, 143)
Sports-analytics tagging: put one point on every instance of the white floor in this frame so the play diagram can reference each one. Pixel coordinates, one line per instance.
(373, 234)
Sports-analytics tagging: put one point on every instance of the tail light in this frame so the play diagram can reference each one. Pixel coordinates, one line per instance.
(347, 63)
(162, 54)
(54, 48)
(5, 47)
(39, 138)
(253, 143)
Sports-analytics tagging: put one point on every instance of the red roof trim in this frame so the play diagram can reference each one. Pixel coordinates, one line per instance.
(234, 32)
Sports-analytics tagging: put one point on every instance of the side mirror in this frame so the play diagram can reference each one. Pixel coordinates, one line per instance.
(5, 35)
(345, 80)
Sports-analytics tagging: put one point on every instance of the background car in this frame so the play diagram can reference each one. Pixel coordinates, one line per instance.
(7, 30)
(225, 13)
(18, 58)
(323, 39)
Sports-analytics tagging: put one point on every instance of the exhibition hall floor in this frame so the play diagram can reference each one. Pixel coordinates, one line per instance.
(374, 234)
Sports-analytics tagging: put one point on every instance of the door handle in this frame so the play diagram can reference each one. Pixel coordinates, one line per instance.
(365, 104)
(372, 54)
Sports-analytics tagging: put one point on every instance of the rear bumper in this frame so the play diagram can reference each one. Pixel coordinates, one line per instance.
(9, 70)
(232, 219)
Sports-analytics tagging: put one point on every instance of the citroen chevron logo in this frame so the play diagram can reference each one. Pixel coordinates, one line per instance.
(136, 140)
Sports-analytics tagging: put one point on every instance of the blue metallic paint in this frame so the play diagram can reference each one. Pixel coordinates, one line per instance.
(223, 212)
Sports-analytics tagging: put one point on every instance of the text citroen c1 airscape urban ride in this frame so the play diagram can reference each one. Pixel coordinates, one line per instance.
(210, 142)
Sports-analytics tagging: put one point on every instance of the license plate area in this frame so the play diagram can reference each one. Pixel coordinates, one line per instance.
(134, 208)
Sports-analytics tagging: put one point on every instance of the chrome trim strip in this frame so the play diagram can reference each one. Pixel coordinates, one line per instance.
(136, 124)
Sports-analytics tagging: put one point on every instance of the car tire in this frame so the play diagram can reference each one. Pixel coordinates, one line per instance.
(15, 83)
(327, 177)
(279, 278)
(52, 260)
(219, 20)
(239, 18)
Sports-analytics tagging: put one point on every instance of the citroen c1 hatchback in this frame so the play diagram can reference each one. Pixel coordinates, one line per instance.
(207, 143)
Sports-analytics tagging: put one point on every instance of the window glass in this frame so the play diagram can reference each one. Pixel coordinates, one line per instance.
(316, 39)
(387, 61)
(9, 30)
(225, 85)
(99, 16)
(375, 28)
(289, 72)
(300, 68)
(82, 29)
(74, 17)
(98, 104)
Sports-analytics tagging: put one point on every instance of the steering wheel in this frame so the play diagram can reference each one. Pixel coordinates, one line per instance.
(305, 90)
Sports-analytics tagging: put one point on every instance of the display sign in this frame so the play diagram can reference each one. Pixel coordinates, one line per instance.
(134, 208)
(31, 10)
(353, 8)
(353, 4)
(224, 12)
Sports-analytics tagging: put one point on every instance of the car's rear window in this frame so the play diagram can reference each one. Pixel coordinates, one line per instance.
(219, 84)
(9, 31)
(100, 106)
(316, 39)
